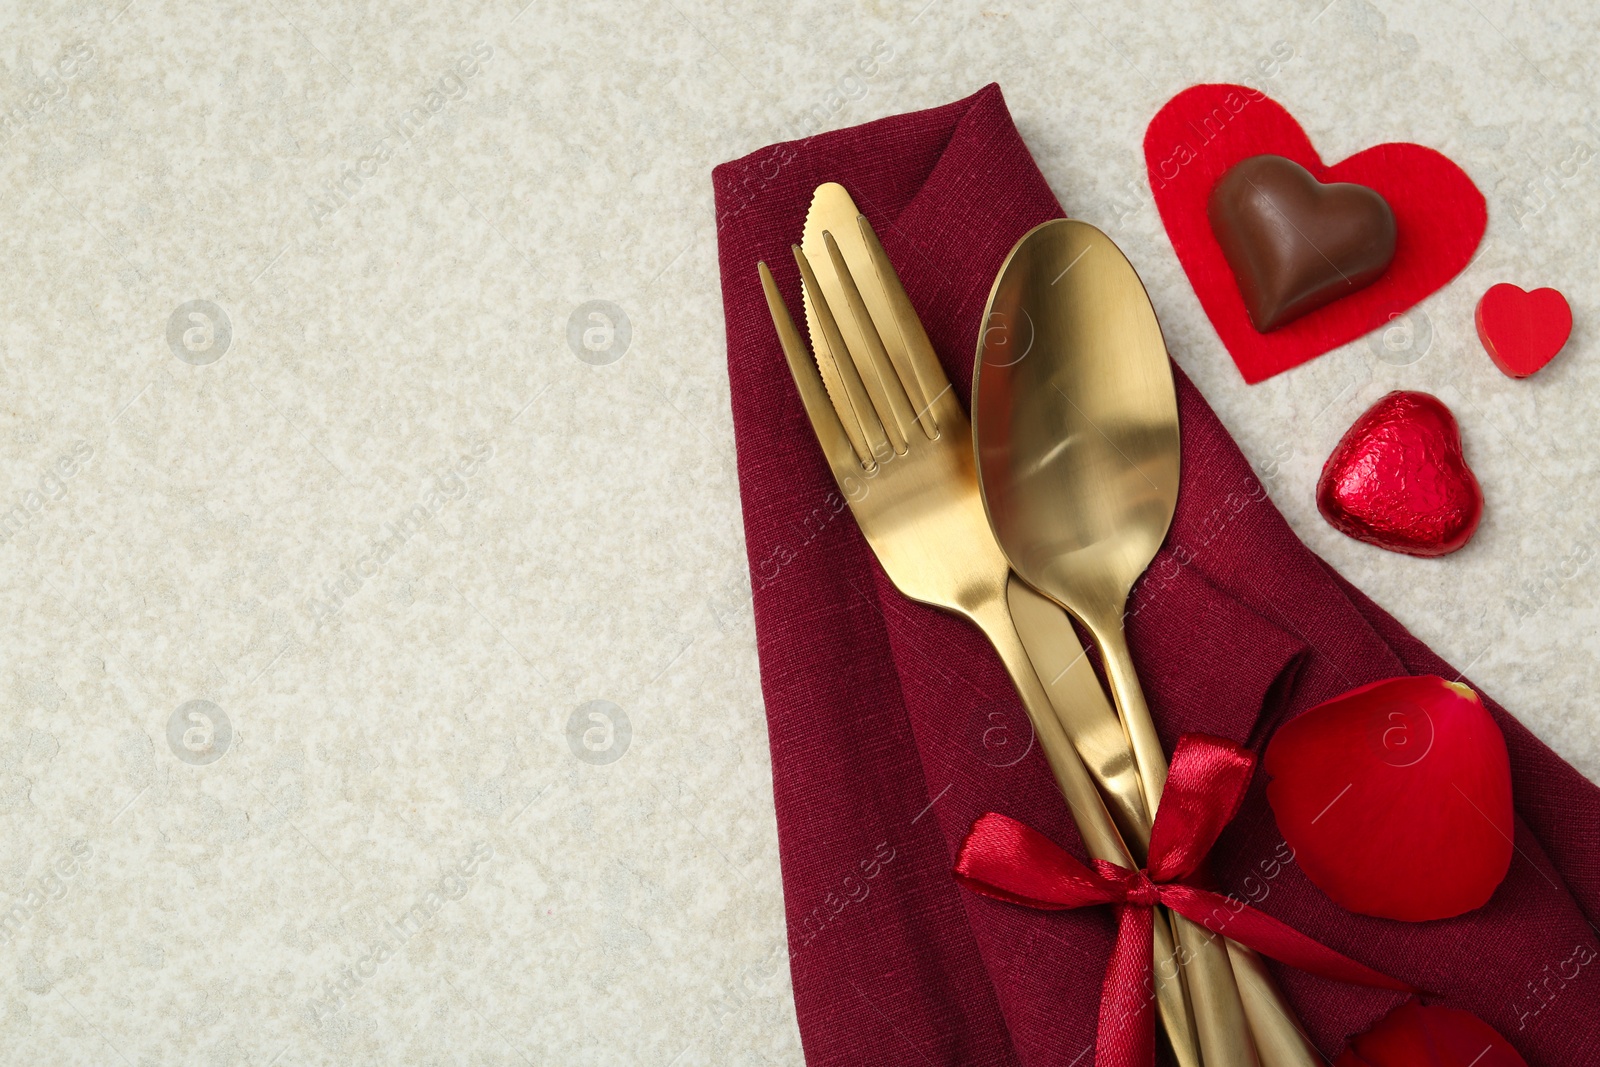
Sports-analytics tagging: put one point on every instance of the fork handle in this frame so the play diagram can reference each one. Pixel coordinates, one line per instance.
(1099, 833)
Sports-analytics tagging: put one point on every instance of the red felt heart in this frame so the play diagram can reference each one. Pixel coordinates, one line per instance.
(1523, 331)
(1204, 130)
(1396, 798)
(1415, 1035)
(1397, 479)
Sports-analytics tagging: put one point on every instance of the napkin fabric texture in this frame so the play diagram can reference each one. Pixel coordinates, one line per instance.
(893, 725)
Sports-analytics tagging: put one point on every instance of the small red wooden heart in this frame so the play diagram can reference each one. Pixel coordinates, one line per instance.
(1397, 479)
(1523, 331)
(1203, 131)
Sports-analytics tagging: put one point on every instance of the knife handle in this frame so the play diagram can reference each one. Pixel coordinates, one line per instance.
(1280, 1042)
(1080, 704)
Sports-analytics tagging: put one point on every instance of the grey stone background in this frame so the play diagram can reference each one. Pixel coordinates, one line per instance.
(377, 670)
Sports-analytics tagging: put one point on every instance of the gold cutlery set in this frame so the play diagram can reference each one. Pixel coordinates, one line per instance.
(1059, 509)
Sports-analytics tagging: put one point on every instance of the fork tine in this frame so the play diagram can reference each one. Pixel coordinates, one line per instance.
(840, 449)
(932, 385)
(878, 446)
(882, 381)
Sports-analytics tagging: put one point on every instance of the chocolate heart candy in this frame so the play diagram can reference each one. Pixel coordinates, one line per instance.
(1295, 244)
(1397, 479)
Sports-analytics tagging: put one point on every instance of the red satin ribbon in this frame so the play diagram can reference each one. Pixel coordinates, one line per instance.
(1004, 859)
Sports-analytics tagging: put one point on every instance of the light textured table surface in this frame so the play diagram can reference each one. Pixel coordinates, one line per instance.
(307, 416)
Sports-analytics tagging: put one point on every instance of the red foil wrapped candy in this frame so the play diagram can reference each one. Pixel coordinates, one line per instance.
(1397, 479)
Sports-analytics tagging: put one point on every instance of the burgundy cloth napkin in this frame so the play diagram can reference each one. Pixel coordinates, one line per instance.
(893, 725)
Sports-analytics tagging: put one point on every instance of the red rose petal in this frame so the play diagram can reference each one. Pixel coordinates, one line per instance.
(1348, 1058)
(1396, 798)
(1414, 1035)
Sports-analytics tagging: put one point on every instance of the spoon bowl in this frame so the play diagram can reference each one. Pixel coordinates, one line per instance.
(1077, 420)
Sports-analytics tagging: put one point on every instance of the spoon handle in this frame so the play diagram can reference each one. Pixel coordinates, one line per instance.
(1082, 708)
(1279, 1040)
(1225, 1037)
(1134, 712)
(1094, 823)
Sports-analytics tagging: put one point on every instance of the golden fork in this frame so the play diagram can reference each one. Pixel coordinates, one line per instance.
(900, 448)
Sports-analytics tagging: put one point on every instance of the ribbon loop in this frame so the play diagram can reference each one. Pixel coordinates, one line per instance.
(1205, 786)
(1010, 861)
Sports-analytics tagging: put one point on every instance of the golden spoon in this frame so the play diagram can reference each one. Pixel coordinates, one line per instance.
(1075, 421)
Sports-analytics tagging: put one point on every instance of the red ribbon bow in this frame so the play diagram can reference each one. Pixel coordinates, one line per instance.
(1007, 860)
